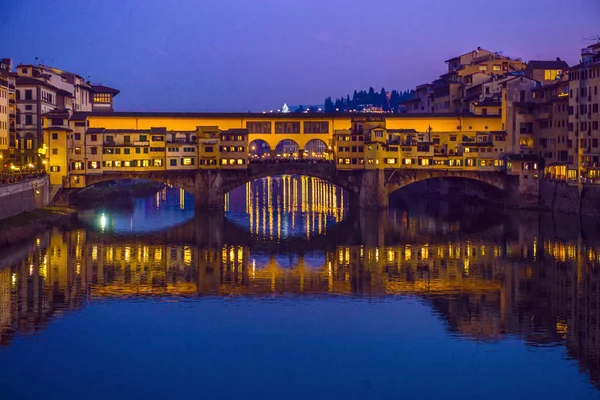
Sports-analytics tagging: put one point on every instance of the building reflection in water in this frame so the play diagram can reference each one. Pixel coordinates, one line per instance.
(544, 291)
(287, 206)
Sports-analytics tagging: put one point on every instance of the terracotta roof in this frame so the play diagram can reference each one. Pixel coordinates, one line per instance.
(555, 64)
(57, 128)
(105, 89)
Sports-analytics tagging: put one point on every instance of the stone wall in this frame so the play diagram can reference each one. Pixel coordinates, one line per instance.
(567, 198)
(20, 197)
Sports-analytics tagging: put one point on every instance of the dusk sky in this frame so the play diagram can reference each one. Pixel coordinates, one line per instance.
(240, 55)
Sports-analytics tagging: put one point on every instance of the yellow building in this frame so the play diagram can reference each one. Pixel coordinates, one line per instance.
(95, 143)
(4, 120)
(370, 144)
(584, 116)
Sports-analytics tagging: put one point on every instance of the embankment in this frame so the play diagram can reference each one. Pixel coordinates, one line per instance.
(26, 225)
(20, 197)
(562, 197)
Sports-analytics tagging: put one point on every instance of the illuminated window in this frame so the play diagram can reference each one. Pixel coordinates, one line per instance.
(408, 161)
(551, 74)
(117, 164)
(54, 168)
(187, 161)
(258, 127)
(107, 163)
(390, 161)
(93, 164)
(316, 127)
(127, 163)
(287, 127)
(240, 161)
(78, 165)
(158, 163)
(497, 68)
(424, 161)
(102, 98)
(470, 162)
(346, 161)
(145, 163)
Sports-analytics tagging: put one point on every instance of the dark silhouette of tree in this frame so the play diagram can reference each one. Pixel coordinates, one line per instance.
(364, 98)
(329, 106)
(300, 109)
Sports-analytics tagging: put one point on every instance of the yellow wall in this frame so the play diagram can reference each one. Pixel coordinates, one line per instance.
(419, 123)
(60, 159)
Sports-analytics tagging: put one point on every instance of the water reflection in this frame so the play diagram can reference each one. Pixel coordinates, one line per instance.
(497, 279)
(166, 208)
(287, 206)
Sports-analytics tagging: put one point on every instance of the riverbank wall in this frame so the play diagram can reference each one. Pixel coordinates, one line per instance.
(569, 198)
(20, 197)
(29, 224)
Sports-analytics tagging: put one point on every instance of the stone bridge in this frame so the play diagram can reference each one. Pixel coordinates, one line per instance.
(370, 228)
(368, 189)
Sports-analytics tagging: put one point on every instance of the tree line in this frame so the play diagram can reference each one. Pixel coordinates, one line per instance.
(361, 99)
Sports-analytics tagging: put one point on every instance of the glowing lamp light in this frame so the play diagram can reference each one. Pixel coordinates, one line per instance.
(102, 222)
(30, 165)
(44, 162)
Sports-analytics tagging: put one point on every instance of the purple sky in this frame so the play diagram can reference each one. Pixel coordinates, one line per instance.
(240, 55)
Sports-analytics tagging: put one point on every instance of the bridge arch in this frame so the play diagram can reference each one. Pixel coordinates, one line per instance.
(287, 148)
(316, 149)
(259, 149)
(487, 185)
(323, 170)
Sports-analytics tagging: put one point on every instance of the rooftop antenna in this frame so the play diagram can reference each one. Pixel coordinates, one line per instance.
(593, 38)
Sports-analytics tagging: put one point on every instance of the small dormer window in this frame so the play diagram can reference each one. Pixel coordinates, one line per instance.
(24, 70)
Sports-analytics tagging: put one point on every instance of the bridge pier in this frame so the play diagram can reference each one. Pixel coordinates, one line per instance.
(208, 190)
(373, 193)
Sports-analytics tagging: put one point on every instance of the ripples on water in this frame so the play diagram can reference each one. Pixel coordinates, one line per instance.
(287, 206)
(424, 301)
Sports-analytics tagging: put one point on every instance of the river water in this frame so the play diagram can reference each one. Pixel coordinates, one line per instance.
(288, 294)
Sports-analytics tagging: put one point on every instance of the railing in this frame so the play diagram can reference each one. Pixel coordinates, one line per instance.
(18, 177)
(290, 161)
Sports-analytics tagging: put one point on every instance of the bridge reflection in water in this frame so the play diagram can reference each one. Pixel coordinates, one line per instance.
(287, 206)
(509, 278)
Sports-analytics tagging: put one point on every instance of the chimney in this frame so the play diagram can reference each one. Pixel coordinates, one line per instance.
(558, 59)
